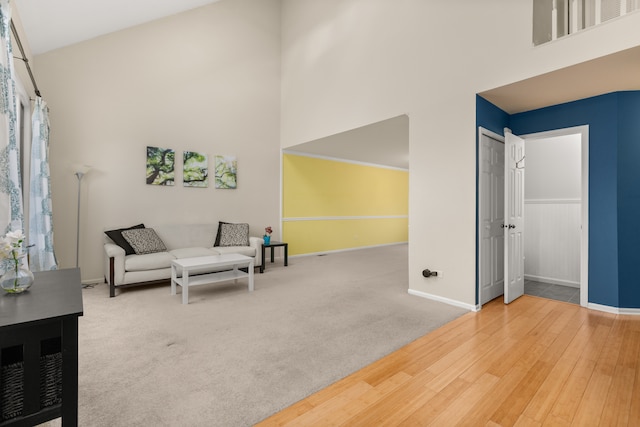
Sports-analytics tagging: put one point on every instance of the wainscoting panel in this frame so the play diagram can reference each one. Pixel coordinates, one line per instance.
(552, 241)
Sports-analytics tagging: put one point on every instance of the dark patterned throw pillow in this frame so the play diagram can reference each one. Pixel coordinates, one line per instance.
(144, 241)
(116, 236)
(234, 234)
(217, 243)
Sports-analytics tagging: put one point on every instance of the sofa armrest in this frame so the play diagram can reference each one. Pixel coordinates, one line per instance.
(113, 264)
(256, 242)
(113, 250)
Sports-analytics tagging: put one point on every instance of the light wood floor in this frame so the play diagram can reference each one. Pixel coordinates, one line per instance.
(534, 362)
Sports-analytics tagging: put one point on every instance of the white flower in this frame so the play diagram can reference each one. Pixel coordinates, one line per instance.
(11, 248)
(5, 249)
(11, 244)
(15, 238)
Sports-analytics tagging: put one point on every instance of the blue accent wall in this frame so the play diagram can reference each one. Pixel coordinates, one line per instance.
(490, 117)
(601, 114)
(614, 183)
(629, 198)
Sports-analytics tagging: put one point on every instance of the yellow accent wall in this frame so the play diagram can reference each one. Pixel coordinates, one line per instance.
(333, 205)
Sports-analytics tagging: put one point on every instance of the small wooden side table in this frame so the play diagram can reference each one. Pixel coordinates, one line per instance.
(273, 244)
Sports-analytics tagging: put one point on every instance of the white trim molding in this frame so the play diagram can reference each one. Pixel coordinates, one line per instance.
(455, 303)
(553, 281)
(336, 159)
(340, 218)
(333, 251)
(614, 310)
(552, 201)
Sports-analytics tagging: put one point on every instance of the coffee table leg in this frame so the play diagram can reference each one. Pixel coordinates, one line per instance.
(185, 286)
(174, 276)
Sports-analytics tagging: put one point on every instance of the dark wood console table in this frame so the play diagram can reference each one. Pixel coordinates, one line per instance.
(39, 334)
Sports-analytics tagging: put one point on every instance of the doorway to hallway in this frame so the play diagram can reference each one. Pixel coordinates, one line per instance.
(552, 291)
(556, 214)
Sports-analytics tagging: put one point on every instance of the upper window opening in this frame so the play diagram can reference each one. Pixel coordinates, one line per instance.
(553, 19)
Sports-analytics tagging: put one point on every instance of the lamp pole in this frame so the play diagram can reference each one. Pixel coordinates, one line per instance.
(80, 171)
(79, 175)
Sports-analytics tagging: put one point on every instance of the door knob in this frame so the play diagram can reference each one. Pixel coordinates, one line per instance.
(512, 226)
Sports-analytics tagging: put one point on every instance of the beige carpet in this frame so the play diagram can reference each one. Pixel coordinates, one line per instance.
(232, 358)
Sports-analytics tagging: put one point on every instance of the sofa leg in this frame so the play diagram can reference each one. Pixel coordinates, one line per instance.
(110, 291)
(112, 286)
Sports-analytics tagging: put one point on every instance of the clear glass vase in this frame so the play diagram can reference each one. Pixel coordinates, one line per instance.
(17, 278)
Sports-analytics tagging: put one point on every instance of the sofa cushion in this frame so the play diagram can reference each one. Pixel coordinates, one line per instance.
(144, 241)
(116, 236)
(193, 252)
(234, 234)
(158, 260)
(242, 250)
(177, 236)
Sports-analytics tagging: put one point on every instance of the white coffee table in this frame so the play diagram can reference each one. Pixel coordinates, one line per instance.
(201, 270)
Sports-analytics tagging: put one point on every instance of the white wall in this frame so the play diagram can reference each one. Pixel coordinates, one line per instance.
(207, 80)
(553, 168)
(553, 210)
(348, 63)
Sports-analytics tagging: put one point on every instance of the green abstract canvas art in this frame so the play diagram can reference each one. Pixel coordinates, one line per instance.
(195, 170)
(226, 172)
(160, 166)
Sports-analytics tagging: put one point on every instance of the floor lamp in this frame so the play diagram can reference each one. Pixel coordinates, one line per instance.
(80, 171)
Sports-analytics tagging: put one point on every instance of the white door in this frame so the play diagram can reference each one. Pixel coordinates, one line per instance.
(491, 216)
(514, 217)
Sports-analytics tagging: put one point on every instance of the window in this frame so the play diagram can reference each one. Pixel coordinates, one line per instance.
(553, 19)
(23, 139)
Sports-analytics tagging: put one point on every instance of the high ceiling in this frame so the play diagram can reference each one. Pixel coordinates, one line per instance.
(387, 142)
(51, 24)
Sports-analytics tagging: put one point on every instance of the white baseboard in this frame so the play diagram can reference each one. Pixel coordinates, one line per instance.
(444, 300)
(632, 311)
(591, 306)
(346, 250)
(614, 310)
(552, 281)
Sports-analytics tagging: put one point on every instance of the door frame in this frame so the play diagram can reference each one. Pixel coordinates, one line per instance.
(584, 208)
(583, 131)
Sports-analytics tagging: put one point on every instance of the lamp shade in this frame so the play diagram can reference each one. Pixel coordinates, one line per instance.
(80, 168)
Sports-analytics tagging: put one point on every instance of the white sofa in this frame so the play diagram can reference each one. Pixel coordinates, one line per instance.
(181, 241)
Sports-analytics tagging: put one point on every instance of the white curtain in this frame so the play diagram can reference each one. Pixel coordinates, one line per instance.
(11, 213)
(40, 212)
